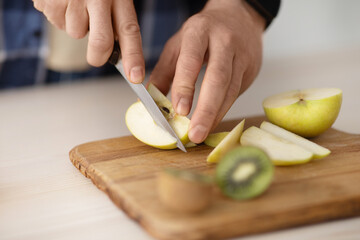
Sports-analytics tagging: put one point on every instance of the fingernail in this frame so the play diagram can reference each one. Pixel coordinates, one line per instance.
(183, 106)
(197, 134)
(136, 74)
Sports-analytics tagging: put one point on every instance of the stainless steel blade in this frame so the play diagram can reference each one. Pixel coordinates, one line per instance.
(150, 105)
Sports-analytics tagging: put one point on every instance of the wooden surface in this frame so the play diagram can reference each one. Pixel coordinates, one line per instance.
(43, 196)
(322, 190)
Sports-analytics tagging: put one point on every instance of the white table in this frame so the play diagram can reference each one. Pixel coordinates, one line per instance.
(43, 196)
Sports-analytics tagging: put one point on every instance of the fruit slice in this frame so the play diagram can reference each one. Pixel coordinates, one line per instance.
(215, 138)
(244, 172)
(142, 126)
(184, 191)
(190, 145)
(280, 151)
(307, 113)
(229, 142)
(317, 150)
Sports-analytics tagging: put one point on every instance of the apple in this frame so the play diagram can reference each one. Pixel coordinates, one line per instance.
(143, 127)
(280, 151)
(307, 113)
(317, 150)
(215, 138)
(230, 141)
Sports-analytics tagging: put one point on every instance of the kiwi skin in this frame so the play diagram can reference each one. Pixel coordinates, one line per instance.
(254, 171)
(184, 191)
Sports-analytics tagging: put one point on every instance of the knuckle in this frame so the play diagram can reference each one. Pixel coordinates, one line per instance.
(130, 28)
(190, 63)
(196, 24)
(228, 38)
(199, 19)
(38, 5)
(234, 90)
(218, 76)
(101, 42)
(209, 112)
(184, 89)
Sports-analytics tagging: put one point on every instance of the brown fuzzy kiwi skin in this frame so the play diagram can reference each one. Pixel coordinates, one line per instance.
(183, 194)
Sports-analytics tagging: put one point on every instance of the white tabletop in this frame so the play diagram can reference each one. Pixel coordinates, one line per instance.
(43, 196)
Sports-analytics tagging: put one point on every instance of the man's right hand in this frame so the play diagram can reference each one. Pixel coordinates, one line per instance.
(102, 19)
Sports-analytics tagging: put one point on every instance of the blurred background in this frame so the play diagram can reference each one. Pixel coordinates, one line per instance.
(313, 27)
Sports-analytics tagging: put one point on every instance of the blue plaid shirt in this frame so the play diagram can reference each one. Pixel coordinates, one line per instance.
(24, 45)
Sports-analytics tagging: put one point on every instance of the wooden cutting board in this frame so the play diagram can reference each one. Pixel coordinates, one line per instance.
(125, 169)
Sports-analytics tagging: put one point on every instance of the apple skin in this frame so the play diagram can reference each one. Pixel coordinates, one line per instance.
(231, 140)
(307, 118)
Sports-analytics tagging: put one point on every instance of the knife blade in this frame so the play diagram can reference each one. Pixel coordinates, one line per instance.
(145, 97)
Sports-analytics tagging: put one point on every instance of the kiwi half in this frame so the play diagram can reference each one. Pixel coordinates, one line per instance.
(244, 172)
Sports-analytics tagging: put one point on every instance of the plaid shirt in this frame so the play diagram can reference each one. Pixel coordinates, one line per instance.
(24, 45)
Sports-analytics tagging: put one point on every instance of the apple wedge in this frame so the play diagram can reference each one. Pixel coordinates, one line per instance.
(317, 150)
(230, 141)
(143, 127)
(307, 113)
(215, 138)
(280, 151)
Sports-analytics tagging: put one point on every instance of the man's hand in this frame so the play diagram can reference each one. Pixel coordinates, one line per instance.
(227, 34)
(103, 19)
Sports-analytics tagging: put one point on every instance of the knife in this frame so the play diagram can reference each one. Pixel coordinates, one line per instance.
(144, 97)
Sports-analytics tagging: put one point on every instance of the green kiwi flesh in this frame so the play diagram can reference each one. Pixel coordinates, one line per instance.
(244, 173)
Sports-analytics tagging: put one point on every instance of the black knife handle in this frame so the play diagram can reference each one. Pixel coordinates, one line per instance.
(115, 55)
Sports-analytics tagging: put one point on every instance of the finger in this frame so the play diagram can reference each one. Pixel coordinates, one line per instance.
(39, 5)
(193, 48)
(128, 31)
(233, 91)
(101, 36)
(55, 12)
(164, 71)
(76, 19)
(212, 94)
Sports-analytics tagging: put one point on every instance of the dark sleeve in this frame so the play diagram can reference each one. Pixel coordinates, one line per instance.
(266, 8)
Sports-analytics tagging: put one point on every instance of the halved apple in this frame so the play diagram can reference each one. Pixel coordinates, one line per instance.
(231, 140)
(307, 113)
(143, 127)
(280, 151)
(317, 150)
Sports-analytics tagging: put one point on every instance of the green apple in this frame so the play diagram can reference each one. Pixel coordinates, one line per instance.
(230, 141)
(215, 138)
(317, 150)
(143, 127)
(280, 151)
(307, 113)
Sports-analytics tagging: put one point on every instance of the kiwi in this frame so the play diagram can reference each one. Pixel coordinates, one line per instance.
(184, 190)
(244, 172)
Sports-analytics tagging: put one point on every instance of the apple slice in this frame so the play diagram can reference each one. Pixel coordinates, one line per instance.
(143, 127)
(307, 113)
(280, 151)
(215, 138)
(230, 141)
(317, 150)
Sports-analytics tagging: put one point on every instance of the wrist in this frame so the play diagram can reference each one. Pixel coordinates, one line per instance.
(258, 19)
(239, 8)
(268, 9)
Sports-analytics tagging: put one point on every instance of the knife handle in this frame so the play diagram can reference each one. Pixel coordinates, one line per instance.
(116, 53)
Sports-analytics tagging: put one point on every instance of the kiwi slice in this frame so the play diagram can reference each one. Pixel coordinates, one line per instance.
(244, 172)
(184, 190)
